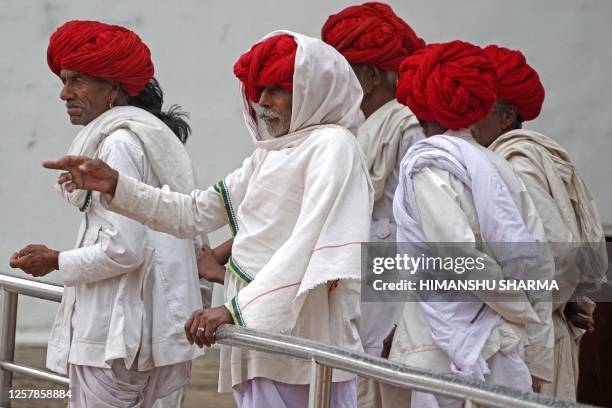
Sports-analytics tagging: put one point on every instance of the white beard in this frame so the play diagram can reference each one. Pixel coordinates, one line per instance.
(262, 128)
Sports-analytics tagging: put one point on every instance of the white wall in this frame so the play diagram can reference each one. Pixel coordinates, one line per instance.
(194, 44)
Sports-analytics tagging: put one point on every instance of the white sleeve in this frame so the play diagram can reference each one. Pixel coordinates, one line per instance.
(183, 215)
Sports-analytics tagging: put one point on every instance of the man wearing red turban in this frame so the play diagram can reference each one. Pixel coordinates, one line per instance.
(452, 190)
(565, 205)
(374, 40)
(297, 209)
(114, 334)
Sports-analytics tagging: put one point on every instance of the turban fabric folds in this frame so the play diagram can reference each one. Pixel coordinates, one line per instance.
(371, 34)
(103, 51)
(268, 63)
(517, 83)
(452, 84)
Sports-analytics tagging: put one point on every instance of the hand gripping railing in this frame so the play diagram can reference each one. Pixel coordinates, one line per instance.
(324, 359)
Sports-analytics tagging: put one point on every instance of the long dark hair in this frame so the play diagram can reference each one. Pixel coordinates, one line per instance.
(151, 99)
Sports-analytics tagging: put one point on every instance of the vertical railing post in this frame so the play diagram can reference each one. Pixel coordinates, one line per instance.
(319, 395)
(7, 344)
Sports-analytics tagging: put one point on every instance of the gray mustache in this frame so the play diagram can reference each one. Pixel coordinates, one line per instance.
(75, 104)
(268, 114)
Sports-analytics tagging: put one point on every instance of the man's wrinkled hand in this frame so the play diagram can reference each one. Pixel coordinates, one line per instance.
(580, 314)
(35, 260)
(200, 327)
(83, 173)
(208, 266)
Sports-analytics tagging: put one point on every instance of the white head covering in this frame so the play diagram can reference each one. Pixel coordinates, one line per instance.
(325, 91)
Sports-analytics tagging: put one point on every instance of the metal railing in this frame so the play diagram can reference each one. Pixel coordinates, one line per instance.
(324, 360)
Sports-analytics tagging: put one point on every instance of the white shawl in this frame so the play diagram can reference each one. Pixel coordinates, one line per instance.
(461, 329)
(167, 156)
(573, 198)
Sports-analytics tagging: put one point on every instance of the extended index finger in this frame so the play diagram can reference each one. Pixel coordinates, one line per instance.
(64, 163)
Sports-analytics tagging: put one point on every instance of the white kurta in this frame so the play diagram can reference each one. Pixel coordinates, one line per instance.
(298, 208)
(385, 138)
(128, 289)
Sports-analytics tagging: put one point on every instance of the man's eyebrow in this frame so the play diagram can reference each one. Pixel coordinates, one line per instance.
(72, 75)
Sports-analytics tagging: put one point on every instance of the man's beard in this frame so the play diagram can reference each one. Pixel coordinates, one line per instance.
(271, 124)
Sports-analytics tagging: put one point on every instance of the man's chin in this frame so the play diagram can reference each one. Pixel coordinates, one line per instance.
(274, 133)
(76, 120)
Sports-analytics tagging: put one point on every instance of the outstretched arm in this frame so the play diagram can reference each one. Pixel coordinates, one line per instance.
(182, 215)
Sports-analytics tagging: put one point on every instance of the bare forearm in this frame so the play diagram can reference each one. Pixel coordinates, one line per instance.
(224, 251)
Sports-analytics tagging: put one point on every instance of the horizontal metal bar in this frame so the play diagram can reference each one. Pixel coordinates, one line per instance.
(383, 370)
(32, 288)
(34, 373)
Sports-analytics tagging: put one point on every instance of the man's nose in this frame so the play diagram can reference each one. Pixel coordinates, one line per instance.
(65, 94)
(265, 99)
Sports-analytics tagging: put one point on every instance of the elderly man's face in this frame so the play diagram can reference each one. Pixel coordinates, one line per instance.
(503, 118)
(86, 97)
(274, 109)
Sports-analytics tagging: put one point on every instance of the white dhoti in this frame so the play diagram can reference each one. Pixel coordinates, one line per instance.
(118, 387)
(174, 400)
(262, 392)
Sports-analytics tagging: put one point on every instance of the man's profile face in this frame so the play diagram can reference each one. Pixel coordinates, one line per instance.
(86, 97)
(274, 109)
(364, 73)
(486, 130)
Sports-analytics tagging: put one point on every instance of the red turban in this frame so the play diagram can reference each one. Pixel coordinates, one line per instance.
(371, 34)
(268, 63)
(103, 51)
(452, 84)
(517, 83)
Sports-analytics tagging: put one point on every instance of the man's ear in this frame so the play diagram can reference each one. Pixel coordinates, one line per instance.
(376, 74)
(117, 96)
(509, 117)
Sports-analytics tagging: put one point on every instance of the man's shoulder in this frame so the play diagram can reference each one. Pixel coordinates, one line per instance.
(333, 136)
(121, 137)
